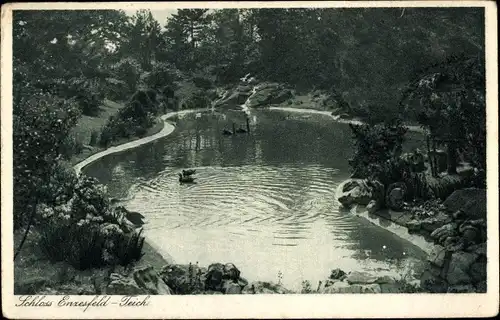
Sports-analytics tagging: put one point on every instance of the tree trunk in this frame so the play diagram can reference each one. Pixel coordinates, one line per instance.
(452, 157)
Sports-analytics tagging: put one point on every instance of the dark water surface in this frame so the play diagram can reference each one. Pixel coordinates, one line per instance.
(264, 201)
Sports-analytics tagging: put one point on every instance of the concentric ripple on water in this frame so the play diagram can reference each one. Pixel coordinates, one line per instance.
(264, 201)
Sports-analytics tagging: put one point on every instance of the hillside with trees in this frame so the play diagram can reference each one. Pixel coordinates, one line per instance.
(384, 65)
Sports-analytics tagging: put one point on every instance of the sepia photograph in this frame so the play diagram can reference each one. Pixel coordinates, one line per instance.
(192, 149)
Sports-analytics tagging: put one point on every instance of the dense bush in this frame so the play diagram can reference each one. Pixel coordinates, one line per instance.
(198, 100)
(41, 124)
(161, 75)
(129, 71)
(377, 151)
(86, 232)
(134, 119)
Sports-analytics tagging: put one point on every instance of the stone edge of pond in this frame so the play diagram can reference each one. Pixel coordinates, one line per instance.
(335, 118)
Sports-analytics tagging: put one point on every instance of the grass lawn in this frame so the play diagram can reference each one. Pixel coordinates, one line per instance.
(86, 125)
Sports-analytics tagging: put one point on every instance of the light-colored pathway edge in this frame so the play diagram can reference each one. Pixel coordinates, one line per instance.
(336, 118)
(165, 131)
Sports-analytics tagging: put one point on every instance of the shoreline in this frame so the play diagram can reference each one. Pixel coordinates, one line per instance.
(169, 128)
(336, 118)
(152, 255)
(165, 131)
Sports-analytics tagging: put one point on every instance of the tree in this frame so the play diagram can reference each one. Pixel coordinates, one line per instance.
(144, 38)
(451, 105)
(183, 33)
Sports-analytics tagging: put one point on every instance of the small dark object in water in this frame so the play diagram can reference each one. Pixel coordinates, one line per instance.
(187, 179)
(226, 132)
(240, 130)
(135, 217)
(188, 172)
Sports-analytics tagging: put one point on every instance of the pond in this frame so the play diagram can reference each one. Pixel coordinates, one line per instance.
(264, 201)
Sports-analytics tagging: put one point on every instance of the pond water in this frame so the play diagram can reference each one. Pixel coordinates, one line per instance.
(264, 201)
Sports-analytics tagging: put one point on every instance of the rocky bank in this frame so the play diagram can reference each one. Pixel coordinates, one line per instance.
(456, 227)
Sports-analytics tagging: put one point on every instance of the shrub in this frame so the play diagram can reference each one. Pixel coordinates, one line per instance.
(41, 123)
(70, 146)
(377, 151)
(93, 138)
(86, 232)
(203, 83)
(129, 71)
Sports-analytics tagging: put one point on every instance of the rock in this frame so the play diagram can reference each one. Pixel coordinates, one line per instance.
(337, 274)
(433, 283)
(343, 287)
(242, 282)
(356, 277)
(150, 281)
(233, 99)
(442, 233)
(230, 287)
(462, 289)
(122, 285)
(260, 287)
(390, 288)
(183, 279)
(372, 206)
(471, 201)
(479, 249)
(231, 272)
(214, 277)
(459, 266)
(437, 255)
(385, 280)
(357, 191)
(477, 271)
(395, 198)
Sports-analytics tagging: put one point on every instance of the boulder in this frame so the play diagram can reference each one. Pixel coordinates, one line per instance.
(479, 249)
(214, 277)
(337, 274)
(269, 93)
(477, 271)
(233, 99)
(357, 277)
(230, 287)
(123, 285)
(395, 198)
(260, 287)
(357, 191)
(183, 279)
(231, 272)
(459, 267)
(471, 201)
(437, 256)
(445, 231)
(343, 287)
(372, 206)
(390, 288)
(385, 280)
(150, 281)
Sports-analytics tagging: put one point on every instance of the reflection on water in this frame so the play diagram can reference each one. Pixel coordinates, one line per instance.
(264, 201)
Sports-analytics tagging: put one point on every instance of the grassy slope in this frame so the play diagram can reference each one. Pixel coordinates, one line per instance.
(86, 125)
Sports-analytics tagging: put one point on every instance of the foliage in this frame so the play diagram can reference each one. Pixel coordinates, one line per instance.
(377, 152)
(41, 125)
(446, 95)
(129, 71)
(85, 231)
(162, 75)
(135, 118)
